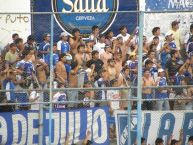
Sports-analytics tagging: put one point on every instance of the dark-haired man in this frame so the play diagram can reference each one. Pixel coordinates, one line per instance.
(156, 33)
(147, 81)
(30, 42)
(95, 33)
(44, 47)
(60, 70)
(176, 33)
(123, 33)
(97, 62)
(172, 66)
(75, 41)
(81, 57)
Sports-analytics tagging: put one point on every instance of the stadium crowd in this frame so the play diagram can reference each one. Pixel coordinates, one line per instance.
(102, 60)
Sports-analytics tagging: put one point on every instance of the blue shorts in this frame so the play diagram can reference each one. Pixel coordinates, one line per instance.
(162, 95)
(147, 96)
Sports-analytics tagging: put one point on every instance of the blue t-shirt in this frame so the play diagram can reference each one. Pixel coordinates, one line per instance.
(65, 47)
(164, 58)
(162, 82)
(28, 68)
(44, 46)
(55, 59)
(178, 79)
(68, 68)
(172, 45)
(132, 65)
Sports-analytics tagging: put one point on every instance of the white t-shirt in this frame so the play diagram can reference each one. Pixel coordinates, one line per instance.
(125, 38)
(114, 95)
(92, 37)
(99, 47)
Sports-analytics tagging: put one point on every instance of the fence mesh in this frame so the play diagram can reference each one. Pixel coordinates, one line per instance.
(103, 68)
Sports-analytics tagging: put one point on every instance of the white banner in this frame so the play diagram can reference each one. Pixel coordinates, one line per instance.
(155, 124)
(163, 20)
(14, 23)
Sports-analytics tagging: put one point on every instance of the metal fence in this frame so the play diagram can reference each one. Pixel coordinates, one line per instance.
(38, 83)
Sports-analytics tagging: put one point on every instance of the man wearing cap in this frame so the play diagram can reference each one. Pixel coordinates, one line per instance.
(176, 33)
(170, 40)
(162, 94)
(44, 47)
(63, 46)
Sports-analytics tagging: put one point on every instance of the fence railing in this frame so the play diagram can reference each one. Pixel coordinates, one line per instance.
(35, 81)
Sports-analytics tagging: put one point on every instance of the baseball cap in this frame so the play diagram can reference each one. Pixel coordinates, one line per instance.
(46, 35)
(174, 23)
(68, 57)
(63, 34)
(160, 70)
(168, 34)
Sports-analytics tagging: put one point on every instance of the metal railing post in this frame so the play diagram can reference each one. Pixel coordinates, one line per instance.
(139, 81)
(51, 80)
(41, 119)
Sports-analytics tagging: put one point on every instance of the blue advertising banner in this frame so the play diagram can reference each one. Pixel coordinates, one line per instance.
(83, 14)
(155, 124)
(21, 127)
(153, 5)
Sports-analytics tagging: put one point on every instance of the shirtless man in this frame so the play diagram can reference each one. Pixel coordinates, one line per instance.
(73, 83)
(106, 55)
(75, 41)
(147, 81)
(60, 70)
(81, 57)
(89, 47)
(124, 81)
(118, 62)
(111, 70)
